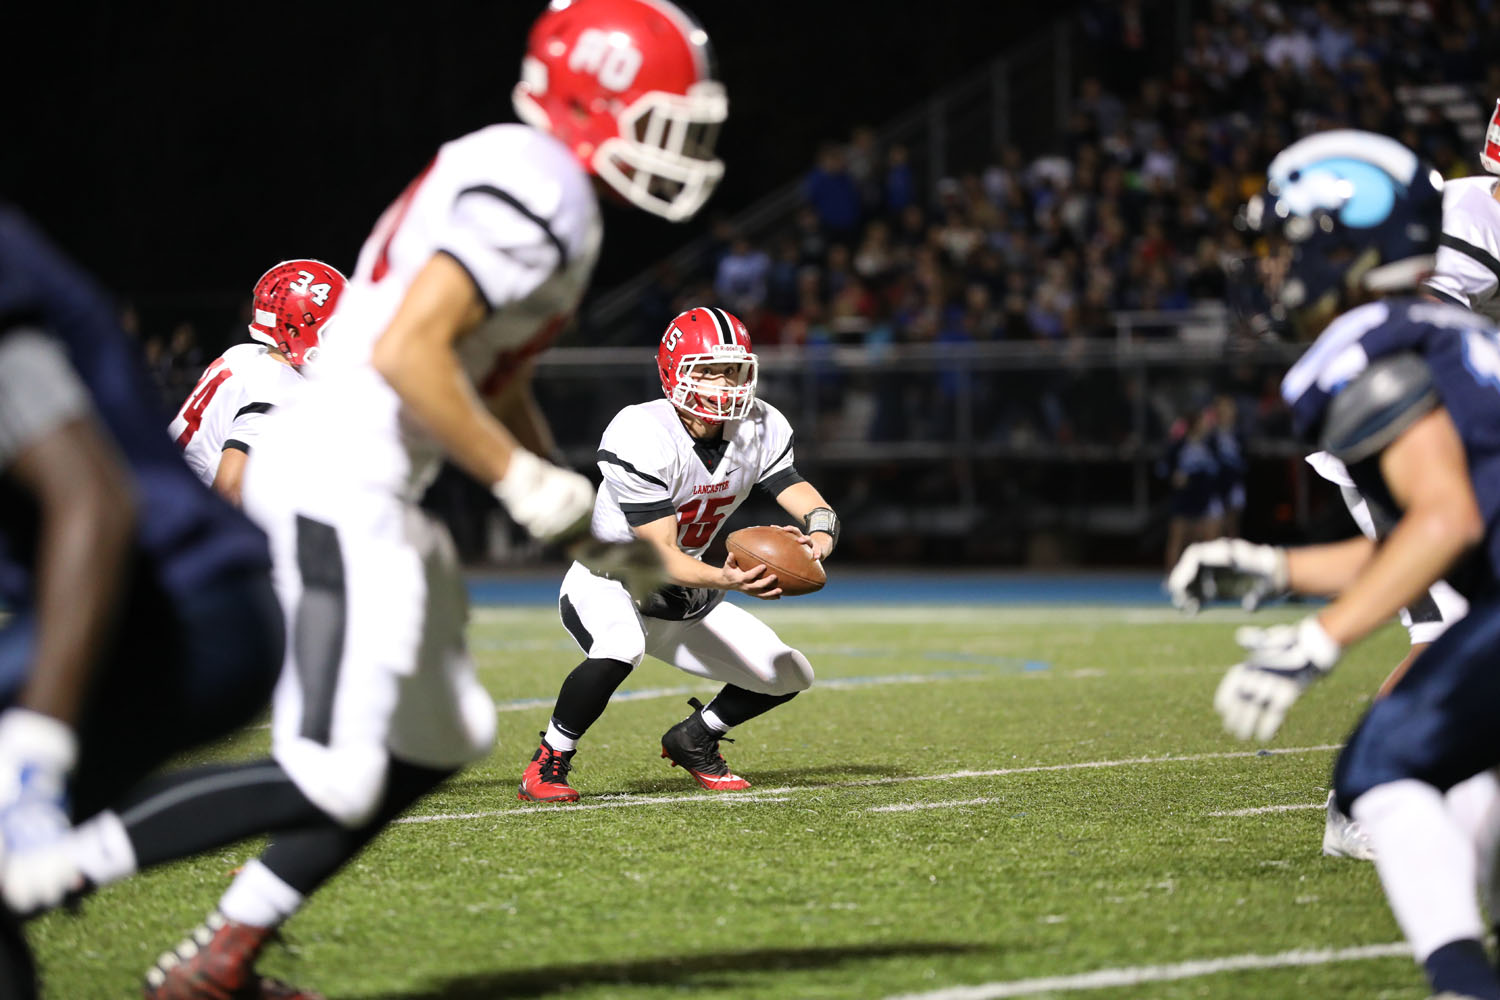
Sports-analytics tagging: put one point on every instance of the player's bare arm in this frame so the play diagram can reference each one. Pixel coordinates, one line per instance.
(1327, 570)
(516, 407)
(684, 570)
(801, 500)
(415, 355)
(1428, 476)
(231, 474)
(87, 516)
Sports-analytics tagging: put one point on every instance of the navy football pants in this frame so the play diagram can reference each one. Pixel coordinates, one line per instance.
(179, 673)
(1441, 723)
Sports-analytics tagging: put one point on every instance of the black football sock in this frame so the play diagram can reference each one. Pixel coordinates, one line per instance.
(735, 705)
(192, 811)
(305, 859)
(1462, 968)
(585, 694)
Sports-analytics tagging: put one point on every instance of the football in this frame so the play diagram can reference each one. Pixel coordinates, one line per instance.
(797, 572)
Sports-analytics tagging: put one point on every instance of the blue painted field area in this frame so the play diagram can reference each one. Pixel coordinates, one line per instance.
(894, 587)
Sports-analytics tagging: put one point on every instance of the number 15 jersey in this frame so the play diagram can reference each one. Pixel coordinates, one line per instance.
(653, 468)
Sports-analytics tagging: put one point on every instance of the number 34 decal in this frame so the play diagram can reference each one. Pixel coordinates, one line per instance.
(304, 286)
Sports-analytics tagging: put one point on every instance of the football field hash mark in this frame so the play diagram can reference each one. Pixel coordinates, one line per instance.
(1103, 979)
(1262, 810)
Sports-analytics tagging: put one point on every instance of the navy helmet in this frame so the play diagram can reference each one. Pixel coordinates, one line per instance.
(1345, 210)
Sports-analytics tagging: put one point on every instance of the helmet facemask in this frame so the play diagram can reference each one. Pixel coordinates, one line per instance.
(720, 399)
(663, 160)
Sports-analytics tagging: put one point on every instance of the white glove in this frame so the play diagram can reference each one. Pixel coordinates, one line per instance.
(36, 754)
(1225, 569)
(1280, 664)
(550, 502)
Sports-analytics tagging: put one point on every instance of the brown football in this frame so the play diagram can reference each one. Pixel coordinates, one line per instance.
(796, 571)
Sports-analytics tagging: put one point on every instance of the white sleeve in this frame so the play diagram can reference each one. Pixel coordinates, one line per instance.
(39, 391)
(507, 249)
(778, 467)
(1461, 278)
(637, 469)
(245, 428)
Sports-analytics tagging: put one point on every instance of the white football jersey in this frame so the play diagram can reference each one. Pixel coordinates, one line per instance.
(513, 207)
(653, 468)
(1428, 618)
(1467, 272)
(228, 406)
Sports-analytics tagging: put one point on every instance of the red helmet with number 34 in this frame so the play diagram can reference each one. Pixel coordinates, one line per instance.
(629, 86)
(293, 302)
(695, 340)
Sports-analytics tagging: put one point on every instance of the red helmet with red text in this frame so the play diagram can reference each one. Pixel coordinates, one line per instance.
(1489, 153)
(696, 340)
(629, 86)
(293, 302)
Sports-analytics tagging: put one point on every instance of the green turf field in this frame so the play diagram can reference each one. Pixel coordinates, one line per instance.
(980, 796)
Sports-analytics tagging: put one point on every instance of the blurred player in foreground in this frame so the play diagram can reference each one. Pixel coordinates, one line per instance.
(1406, 394)
(1466, 273)
(141, 615)
(474, 269)
(674, 469)
(222, 416)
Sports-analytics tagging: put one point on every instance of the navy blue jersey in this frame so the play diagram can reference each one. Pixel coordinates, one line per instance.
(186, 535)
(1461, 348)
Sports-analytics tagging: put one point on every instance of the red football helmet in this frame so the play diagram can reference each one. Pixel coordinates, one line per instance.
(1489, 153)
(293, 301)
(629, 86)
(695, 340)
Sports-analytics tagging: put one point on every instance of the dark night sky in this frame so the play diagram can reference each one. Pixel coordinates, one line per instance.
(178, 150)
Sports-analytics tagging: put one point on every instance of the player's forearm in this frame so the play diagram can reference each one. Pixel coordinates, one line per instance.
(688, 571)
(435, 391)
(519, 412)
(82, 554)
(1327, 569)
(679, 567)
(1423, 546)
(799, 499)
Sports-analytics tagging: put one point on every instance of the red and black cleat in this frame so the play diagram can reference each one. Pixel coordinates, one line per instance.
(694, 747)
(218, 963)
(546, 777)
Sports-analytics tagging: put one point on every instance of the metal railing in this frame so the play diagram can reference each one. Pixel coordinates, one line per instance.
(996, 439)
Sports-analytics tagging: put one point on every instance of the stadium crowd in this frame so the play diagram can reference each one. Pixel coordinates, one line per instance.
(1130, 209)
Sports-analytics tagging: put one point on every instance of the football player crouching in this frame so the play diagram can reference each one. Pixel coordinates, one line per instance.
(674, 469)
(222, 416)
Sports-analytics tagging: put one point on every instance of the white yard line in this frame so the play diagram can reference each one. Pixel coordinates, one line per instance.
(1261, 810)
(903, 807)
(780, 794)
(1103, 979)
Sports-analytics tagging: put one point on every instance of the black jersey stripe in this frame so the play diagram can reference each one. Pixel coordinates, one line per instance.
(1438, 293)
(1479, 254)
(608, 456)
(513, 202)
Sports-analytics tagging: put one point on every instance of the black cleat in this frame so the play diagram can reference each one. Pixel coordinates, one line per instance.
(694, 747)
